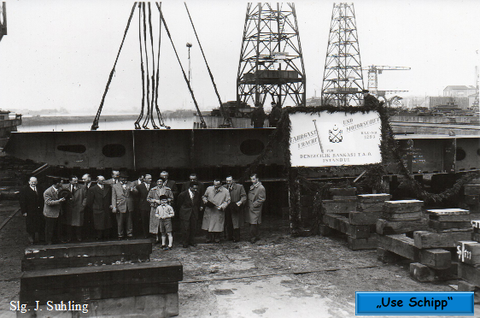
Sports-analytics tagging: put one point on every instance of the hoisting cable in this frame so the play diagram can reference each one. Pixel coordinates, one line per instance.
(159, 114)
(227, 121)
(147, 76)
(112, 72)
(203, 124)
(137, 122)
(154, 93)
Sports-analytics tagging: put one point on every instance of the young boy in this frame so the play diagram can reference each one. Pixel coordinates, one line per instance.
(164, 212)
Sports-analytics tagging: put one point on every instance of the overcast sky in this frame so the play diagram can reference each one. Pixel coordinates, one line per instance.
(59, 53)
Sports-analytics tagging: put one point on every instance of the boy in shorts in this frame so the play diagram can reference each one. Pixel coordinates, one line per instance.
(165, 213)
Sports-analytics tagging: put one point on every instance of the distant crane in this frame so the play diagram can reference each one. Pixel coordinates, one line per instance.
(374, 70)
(3, 20)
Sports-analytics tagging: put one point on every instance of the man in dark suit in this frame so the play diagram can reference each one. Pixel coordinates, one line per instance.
(31, 205)
(193, 178)
(123, 206)
(75, 208)
(99, 198)
(142, 191)
(188, 207)
(88, 224)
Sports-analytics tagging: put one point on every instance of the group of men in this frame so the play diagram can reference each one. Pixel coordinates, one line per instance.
(259, 116)
(118, 207)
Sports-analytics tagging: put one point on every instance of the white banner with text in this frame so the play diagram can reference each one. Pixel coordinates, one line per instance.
(335, 139)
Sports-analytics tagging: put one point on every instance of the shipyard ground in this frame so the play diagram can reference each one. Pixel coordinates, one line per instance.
(279, 276)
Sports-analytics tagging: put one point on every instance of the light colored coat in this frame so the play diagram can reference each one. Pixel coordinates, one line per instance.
(53, 206)
(154, 199)
(214, 217)
(256, 198)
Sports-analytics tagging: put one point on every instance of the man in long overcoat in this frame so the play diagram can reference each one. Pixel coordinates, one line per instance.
(216, 200)
(233, 213)
(75, 208)
(188, 206)
(256, 198)
(99, 199)
(31, 205)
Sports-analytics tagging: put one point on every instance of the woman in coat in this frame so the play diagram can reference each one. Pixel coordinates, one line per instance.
(154, 199)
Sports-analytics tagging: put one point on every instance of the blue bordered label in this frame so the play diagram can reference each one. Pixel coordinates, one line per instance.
(414, 303)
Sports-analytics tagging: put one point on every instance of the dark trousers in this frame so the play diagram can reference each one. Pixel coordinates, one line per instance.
(189, 228)
(50, 226)
(145, 221)
(122, 220)
(254, 232)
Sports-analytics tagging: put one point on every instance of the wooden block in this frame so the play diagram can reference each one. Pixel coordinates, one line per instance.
(471, 199)
(89, 249)
(384, 227)
(371, 198)
(343, 191)
(162, 305)
(468, 252)
(98, 282)
(426, 239)
(450, 211)
(370, 207)
(325, 230)
(364, 218)
(400, 206)
(435, 258)
(476, 237)
(450, 218)
(469, 273)
(421, 272)
(386, 256)
(345, 197)
(439, 225)
(356, 244)
(399, 244)
(338, 206)
(341, 224)
(404, 216)
(471, 189)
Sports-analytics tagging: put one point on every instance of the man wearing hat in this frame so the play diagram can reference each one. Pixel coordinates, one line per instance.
(274, 115)
(123, 205)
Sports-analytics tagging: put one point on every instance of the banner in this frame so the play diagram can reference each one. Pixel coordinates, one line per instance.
(335, 139)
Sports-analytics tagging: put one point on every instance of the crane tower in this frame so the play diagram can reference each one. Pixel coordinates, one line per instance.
(271, 58)
(342, 77)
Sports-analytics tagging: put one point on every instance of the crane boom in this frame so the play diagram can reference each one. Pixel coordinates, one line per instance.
(374, 70)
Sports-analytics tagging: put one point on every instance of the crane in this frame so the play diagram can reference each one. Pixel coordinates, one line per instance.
(374, 70)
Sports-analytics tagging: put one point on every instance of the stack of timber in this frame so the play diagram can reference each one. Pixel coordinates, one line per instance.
(401, 216)
(399, 219)
(109, 279)
(469, 264)
(354, 216)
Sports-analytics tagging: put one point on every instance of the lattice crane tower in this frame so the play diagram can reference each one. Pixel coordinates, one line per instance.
(342, 77)
(271, 59)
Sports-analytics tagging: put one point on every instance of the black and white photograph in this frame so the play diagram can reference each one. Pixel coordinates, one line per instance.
(239, 159)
